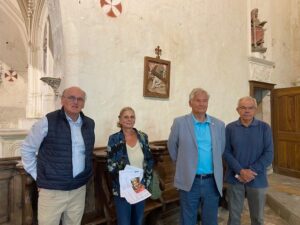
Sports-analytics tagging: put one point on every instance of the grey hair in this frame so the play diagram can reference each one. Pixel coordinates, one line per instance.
(247, 98)
(196, 91)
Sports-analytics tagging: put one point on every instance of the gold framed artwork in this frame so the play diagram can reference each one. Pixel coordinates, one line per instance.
(156, 77)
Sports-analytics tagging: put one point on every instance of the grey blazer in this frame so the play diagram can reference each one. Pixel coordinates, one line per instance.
(182, 146)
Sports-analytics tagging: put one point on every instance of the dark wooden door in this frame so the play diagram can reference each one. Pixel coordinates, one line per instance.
(286, 130)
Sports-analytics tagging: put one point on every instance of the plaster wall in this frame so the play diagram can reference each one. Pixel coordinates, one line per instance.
(284, 42)
(13, 56)
(206, 42)
(282, 37)
(295, 31)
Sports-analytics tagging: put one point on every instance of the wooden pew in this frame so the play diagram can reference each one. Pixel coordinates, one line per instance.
(17, 193)
(152, 207)
(166, 170)
(10, 199)
(99, 208)
(18, 197)
(96, 204)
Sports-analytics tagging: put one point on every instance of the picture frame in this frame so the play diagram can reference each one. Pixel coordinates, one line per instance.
(156, 77)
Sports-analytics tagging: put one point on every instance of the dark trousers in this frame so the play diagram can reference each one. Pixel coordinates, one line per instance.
(128, 214)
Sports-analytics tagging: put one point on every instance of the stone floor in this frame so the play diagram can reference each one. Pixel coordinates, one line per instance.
(270, 217)
(284, 197)
(282, 208)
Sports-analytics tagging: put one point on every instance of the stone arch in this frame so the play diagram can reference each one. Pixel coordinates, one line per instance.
(15, 15)
(41, 98)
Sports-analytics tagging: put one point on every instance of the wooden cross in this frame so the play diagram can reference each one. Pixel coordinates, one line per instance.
(158, 52)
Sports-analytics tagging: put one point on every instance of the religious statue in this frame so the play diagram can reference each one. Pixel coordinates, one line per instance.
(257, 32)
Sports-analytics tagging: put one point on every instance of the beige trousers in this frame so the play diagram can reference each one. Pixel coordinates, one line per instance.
(55, 205)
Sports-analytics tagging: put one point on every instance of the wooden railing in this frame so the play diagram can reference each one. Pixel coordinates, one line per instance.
(18, 192)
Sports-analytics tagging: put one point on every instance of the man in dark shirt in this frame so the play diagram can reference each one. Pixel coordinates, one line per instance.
(248, 153)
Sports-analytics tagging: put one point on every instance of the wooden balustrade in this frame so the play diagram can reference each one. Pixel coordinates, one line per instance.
(10, 193)
(18, 192)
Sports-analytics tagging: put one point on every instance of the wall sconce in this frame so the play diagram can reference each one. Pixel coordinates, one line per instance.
(53, 82)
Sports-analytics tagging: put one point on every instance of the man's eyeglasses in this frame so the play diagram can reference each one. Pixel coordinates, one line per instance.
(75, 99)
(246, 108)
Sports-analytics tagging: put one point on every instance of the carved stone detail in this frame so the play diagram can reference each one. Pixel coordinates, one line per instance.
(52, 82)
(10, 142)
(260, 69)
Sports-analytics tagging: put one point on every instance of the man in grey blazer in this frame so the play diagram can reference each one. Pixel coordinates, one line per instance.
(196, 144)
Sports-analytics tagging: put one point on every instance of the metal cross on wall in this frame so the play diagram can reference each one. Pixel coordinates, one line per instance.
(158, 52)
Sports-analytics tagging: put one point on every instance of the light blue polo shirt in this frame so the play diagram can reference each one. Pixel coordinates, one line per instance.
(203, 138)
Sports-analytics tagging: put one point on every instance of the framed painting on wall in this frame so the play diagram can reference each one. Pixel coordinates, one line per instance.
(156, 77)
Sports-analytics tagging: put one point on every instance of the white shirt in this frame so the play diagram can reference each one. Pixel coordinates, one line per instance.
(135, 155)
(31, 145)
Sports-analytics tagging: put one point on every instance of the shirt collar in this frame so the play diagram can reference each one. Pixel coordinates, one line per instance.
(207, 119)
(78, 121)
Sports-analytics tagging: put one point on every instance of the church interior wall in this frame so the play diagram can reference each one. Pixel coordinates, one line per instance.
(282, 43)
(295, 33)
(207, 42)
(13, 71)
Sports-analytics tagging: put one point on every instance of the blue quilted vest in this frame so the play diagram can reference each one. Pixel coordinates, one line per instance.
(54, 160)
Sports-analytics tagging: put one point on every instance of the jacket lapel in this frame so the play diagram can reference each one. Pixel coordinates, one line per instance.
(189, 120)
(212, 133)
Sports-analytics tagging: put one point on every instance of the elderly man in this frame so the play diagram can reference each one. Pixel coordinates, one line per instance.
(196, 144)
(248, 153)
(57, 153)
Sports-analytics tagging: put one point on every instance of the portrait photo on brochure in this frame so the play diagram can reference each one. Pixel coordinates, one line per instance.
(137, 186)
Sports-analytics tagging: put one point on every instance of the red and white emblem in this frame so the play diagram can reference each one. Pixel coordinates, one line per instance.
(112, 8)
(11, 75)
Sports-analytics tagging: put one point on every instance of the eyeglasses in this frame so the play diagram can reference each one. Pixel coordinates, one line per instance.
(75, 99)
(246, 108)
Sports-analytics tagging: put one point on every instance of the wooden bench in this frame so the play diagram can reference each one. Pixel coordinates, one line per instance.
(166, 171)
(152, 208)
(99, 206)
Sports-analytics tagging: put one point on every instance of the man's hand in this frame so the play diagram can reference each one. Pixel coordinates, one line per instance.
(240, 179)
(246, 175)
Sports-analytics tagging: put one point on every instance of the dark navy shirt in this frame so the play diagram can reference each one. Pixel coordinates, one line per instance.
(248, 148)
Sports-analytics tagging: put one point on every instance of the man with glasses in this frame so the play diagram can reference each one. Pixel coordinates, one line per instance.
(57, 153)
(248, 153)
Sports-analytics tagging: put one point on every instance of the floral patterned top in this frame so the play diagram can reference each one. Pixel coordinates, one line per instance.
(117, 158)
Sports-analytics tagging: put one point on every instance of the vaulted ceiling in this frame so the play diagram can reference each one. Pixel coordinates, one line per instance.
(13, 38)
